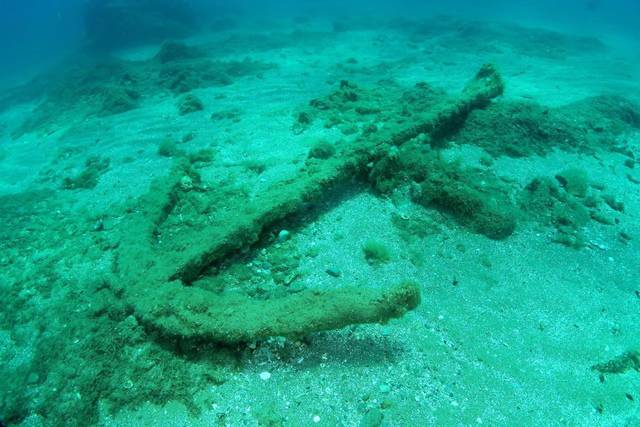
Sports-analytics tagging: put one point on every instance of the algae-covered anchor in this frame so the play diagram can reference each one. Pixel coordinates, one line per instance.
(158, 260)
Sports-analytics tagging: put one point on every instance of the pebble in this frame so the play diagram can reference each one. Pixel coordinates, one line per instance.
(332, 272)
(385, 388)
(283, 235)
(98, 226)
(186, 183)
(316, 418)
(264, 376)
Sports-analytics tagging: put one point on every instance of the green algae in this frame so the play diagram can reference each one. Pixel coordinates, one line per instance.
(107, 87)
(169, 238)
(88, 178)
(521, 129)
(87, 347)
(575, 181)
(546, 202)
(613, 202)
(322, 150)
(117, 100)
(176, 233)
(459, 34)
(477, 200)
(168, 148)
(189, 104)
(165, 383)
(190, 314)
(629, 360)
(375, 252)
(201, 157)
(567, 207)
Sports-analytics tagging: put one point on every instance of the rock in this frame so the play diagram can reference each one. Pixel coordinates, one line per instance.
(283, 236)
(332, 272)
(186, 183)
(575, 181)
(190, 104)
(264, 376)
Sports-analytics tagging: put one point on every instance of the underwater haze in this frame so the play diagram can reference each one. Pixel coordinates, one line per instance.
(319, 213)
(35, 33)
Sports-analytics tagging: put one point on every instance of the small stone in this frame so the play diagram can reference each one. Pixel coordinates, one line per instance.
(316, 419)
(186, 183)
(98, 226)
(264, 376)
(332, 272)
(283, 236)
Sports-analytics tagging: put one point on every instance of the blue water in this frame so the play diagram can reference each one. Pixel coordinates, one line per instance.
(38, 32)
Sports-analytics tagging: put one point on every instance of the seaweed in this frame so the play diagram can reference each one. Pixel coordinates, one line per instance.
(111, 86)
(118, 100)
(375, 252)
(476, 199)
(544, 201)
(629, 360)
(189, 104)
(322, 150)
(521, 129)
(168, 148)
(575, 181)
(88, 178)
(201, 157)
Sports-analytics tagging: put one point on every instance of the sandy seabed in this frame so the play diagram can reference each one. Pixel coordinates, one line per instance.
(508, 331)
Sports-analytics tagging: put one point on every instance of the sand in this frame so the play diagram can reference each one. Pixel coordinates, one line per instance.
(507, 331)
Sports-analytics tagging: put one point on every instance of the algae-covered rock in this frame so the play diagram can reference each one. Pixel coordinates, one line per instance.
(322, 150)
(75, 91)
(168, 148)
(613, 202)
(234, 115)
(190, 104)
(376, 252)
(544, 201)
(459, 192)
(520, 129)
(575, 181)
(118, 100)
(88, 178)
(176, 51)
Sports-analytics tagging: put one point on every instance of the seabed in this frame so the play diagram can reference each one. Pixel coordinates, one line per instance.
(354, 223)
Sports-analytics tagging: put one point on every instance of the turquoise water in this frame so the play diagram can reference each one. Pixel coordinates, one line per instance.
(319, 213)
